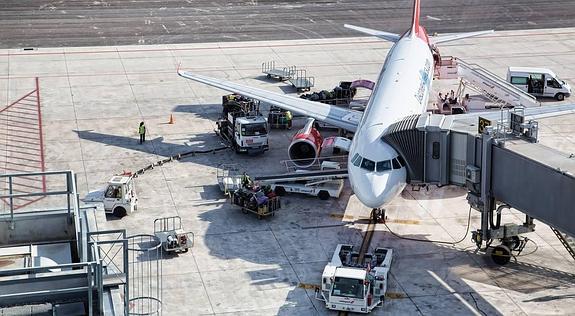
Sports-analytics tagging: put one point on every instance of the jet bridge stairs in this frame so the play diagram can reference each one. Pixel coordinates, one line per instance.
(502, 167)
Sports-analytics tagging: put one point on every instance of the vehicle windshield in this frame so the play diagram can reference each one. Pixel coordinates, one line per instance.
(254, 129)
(347, 287)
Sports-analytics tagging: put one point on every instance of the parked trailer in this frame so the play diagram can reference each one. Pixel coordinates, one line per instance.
(282, 74)
(171, 234)
(256, 202)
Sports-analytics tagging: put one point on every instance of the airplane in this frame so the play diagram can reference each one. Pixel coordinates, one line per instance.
(377, 172)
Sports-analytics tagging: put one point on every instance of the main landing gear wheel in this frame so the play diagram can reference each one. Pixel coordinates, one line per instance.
(501, 255)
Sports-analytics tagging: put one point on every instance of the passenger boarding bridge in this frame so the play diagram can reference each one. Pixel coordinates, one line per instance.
(501, 164)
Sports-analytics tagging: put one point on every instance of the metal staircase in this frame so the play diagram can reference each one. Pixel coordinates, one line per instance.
(567, 241)
(500, 92)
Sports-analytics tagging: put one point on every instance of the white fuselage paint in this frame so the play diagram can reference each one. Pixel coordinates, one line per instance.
(402, 89)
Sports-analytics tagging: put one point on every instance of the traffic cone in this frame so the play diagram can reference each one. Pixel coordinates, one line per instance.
(171, 121)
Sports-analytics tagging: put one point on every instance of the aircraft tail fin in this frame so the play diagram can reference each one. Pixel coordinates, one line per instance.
(415, 27)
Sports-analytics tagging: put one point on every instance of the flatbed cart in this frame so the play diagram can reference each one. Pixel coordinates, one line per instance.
(255, 202)
(301, 82)
(173, 237)
(282, 74)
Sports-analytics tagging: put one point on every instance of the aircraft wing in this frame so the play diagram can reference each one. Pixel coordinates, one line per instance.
(336, 116)
(392, 37)
(456, 36)
(532, 113)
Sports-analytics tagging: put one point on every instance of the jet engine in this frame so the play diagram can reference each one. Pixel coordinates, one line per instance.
(305, 146)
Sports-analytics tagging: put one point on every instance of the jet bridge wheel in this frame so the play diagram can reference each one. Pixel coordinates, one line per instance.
(501, 255)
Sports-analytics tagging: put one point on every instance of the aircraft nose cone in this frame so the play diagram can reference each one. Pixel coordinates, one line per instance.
(371, 189)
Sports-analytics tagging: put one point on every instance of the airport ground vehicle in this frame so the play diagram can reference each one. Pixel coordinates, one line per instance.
(353, 282)
(260, 201)
(242, 125)
(171, 234)
(539, 82)
(119, 196)
(326, 183)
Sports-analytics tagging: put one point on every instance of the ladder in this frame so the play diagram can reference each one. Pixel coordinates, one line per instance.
(566, 241)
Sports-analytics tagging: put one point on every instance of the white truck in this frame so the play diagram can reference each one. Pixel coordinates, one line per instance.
(242, 125)
(354, 283)
(539, 82)
(119, 197)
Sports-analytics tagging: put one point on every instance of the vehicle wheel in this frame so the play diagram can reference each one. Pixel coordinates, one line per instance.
(323, 195)
(269, 76)
(185, 250)
(119, 212)
(560, 96)
(501, 255)
(281, 191)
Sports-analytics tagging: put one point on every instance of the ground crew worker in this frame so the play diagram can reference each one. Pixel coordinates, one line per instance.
(289, 119)
(246, 181)
(142, 132)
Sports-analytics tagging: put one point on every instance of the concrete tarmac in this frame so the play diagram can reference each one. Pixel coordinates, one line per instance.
(43, 23)
(93, 99)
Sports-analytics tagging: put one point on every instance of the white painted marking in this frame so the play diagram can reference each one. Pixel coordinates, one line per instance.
(452, 291)
(429, 17)
(165, 28)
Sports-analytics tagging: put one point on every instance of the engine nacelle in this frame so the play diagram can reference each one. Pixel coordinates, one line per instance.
(305, 146)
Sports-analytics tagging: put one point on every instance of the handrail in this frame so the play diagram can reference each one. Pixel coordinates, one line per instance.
(487, 75)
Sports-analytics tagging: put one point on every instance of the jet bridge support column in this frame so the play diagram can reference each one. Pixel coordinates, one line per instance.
(486, 198)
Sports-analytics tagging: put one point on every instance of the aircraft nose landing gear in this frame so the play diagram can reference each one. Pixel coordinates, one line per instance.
(378, 215)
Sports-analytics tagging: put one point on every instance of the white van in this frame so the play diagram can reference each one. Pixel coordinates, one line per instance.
(539, 82)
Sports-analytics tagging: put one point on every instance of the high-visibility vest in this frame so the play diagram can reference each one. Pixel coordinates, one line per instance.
(288, 115)
(142, 129)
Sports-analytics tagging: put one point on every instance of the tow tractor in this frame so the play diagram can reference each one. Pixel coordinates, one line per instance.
(351, 283)
(171, 234)
(119, 197)
(242, 125)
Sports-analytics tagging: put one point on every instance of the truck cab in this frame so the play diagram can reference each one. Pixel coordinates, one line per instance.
(355, 283)
(120, 196)
(251, 134)
(539, 82)
(242, 124)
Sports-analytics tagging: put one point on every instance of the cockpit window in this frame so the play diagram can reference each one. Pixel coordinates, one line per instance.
(368, 164)
(396, 164)
(356, 160)
(401, 161)
(383, 165)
